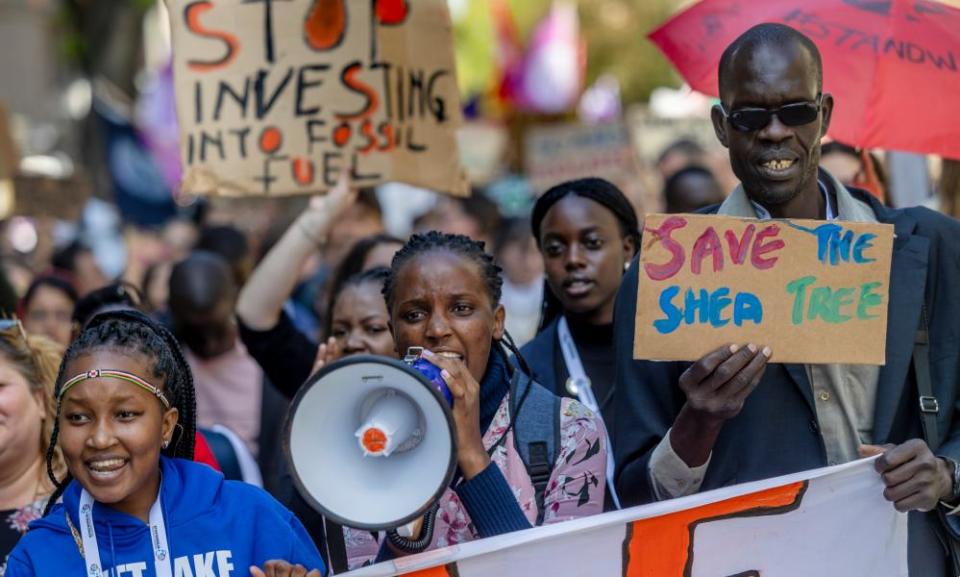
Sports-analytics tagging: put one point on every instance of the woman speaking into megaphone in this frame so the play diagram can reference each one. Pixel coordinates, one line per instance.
(514, 472)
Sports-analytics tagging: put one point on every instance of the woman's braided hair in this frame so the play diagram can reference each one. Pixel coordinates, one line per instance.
(132, 332)
(466, 247)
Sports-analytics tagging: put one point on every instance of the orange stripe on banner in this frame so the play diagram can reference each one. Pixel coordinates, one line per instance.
(661, 546)
(442, 571)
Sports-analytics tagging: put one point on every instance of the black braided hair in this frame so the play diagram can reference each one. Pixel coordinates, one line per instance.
(377, 275)
(598, 190)
(470, 249)
(130, 331)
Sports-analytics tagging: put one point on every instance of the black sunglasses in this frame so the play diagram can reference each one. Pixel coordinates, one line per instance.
(796, 114)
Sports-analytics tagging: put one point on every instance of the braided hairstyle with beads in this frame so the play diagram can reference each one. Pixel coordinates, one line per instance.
(132, 332)
(470, 249)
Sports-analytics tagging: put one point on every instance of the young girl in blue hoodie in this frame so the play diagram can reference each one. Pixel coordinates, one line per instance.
(134, 504)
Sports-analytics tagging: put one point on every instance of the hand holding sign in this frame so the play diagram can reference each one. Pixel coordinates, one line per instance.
(277, 568)
(323, 211)
(716, 387)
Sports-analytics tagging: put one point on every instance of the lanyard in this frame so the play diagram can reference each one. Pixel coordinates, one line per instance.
(579, 384)
(91, 551)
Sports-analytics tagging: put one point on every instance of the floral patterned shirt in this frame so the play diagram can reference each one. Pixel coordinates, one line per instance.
(13, 524)
(576, 487)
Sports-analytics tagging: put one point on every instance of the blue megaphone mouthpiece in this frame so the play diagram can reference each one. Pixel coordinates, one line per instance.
(415, 359)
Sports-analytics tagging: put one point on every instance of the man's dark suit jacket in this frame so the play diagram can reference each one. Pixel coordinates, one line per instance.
(777, 431)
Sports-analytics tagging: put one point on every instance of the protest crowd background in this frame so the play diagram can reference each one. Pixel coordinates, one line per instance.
(575, 127)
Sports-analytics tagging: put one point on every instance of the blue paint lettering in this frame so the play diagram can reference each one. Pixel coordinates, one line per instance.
(835, 245)
(706, 307)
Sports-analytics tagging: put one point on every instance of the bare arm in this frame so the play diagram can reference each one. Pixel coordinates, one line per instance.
(261, 299)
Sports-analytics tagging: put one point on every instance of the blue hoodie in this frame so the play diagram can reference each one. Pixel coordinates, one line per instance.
(215, 528)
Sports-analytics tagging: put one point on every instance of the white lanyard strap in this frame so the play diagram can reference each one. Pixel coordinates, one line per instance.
(91, 550)
(579, 385)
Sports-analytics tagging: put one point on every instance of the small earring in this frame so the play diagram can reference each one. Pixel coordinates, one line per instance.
(165, 445)
(626, 266)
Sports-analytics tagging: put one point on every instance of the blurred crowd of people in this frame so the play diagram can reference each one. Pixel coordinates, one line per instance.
(257, 312)
(508, 293)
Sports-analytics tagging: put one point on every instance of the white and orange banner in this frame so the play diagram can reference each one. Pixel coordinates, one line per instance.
(831, 521)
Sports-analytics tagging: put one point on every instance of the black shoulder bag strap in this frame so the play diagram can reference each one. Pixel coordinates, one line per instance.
(336, 547)
(929, 411)
(929, 405)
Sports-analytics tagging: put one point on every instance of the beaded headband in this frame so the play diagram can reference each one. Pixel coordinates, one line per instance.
(114, 374)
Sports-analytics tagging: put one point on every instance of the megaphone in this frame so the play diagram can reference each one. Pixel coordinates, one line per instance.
(370, 442)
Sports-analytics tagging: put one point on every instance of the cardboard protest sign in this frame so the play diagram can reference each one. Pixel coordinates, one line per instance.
(277, 98)
(33, 194)
(557, 153)
(814, 291)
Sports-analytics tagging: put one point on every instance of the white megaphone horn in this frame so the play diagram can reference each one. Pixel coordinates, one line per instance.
(370, 442)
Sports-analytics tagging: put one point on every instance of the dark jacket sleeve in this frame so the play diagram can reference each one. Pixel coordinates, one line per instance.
(943, 284)
(647, 400)
(285, 354)
(492, 506)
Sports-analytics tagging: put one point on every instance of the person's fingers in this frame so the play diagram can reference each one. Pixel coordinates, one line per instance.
(320, 360)
(913, 495)
(452, 373)
(334, 351)
(900, 454)
(330, 350)
(314, 573)
(337, 199)
(271, 568)
(343, 182)
(256, 572)
(917, 502)
(729, 368)
(873, 450)
(702, 369)
(905, 473)
(298, 571)
(747, 380)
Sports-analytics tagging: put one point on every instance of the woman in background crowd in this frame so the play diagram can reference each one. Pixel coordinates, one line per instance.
(517, 253)
(28, 369)
(47, 309)
(588, 233)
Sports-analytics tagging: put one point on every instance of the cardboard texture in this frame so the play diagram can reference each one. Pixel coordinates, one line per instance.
(34, 195)
(557, 153)
(51, 197)
(9, 155)
(814, 291)
(277, 98)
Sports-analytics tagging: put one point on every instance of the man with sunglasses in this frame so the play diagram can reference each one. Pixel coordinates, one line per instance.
(731, 417)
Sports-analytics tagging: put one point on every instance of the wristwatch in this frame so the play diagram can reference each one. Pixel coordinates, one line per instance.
(954, 498)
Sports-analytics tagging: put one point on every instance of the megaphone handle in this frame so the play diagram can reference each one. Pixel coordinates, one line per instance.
(336, 547)
(412, 546)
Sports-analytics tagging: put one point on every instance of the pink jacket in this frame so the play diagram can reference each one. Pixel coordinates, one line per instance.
(576, 488)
